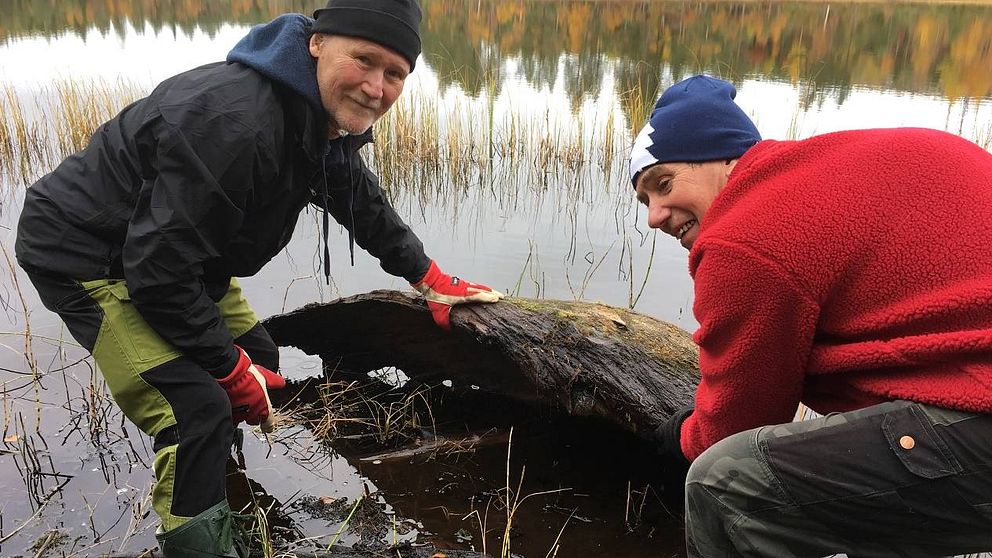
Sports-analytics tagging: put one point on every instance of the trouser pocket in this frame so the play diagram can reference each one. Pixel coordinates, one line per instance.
(950, 453)
(912, 438)
(888, 477)
(134, 340)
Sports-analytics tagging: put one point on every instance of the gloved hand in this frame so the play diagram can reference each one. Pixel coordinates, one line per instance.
(247, 387)
(442, 291)
(668, 435)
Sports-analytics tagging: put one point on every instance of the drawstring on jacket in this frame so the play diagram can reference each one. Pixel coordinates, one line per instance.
(325, 218)
(325, 222)
(351, 212)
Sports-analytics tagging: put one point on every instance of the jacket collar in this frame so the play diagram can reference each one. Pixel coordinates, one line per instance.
(312, 126)
(313, 132)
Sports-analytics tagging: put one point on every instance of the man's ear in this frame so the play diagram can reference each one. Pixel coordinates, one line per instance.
(731, 163)
(316, 40)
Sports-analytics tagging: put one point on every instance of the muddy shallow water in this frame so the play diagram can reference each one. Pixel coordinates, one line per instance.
(568, 486)
(532, 221)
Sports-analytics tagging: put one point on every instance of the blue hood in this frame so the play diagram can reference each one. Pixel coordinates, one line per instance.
(279, 51)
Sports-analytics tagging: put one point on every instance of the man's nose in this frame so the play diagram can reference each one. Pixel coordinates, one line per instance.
(658, 215)
(372, 86)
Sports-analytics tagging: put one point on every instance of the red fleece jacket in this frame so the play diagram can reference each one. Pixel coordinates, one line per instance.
(844, 270)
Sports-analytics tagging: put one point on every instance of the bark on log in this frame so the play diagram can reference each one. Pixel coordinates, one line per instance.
(586, 359)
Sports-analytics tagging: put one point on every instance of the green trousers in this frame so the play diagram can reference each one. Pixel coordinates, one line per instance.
(168, 396)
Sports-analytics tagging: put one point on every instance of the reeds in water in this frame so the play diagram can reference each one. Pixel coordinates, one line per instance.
(40, 129)
(427, 144)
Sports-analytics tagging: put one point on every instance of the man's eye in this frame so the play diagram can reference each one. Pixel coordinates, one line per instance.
(664, 185)
(365, 60)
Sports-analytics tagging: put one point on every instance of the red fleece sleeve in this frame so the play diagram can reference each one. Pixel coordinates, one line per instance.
(755, 334)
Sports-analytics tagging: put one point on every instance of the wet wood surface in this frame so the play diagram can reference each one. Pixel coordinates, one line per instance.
(581, 358)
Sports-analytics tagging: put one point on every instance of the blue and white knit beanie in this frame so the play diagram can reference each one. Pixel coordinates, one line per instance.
(695, 120)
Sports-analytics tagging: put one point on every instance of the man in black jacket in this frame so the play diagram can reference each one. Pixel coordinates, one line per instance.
(135, 241)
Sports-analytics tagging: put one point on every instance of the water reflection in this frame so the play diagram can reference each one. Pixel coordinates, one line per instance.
(940, 49)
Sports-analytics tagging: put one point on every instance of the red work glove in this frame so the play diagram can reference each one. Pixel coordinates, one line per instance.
(443, 291)
(247, 386)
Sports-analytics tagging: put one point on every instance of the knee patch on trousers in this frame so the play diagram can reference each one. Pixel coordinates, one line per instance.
(165, 483)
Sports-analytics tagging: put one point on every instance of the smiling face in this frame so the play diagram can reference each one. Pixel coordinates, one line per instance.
(358, 80)
(678, 195)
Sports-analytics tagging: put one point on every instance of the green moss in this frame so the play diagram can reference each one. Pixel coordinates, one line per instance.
(664, 341)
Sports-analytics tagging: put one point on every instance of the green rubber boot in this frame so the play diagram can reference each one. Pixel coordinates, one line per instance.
(212, 533)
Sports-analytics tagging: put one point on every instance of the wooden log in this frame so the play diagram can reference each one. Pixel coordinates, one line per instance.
(582, 358)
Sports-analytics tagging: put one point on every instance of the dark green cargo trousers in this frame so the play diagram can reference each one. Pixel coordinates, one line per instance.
(898, 479)
(165, 394)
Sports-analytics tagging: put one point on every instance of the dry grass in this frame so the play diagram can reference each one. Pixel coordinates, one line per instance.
(366, 414)
(423, 144)
(39, 132)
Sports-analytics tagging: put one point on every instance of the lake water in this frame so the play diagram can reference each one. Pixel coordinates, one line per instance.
(531, 198)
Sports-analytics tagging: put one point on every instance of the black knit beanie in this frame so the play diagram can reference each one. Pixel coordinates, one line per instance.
(391, 23)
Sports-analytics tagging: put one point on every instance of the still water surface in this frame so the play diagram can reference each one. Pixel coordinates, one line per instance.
(581, 76)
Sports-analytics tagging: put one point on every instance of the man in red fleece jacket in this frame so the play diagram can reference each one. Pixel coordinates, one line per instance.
(851, 272)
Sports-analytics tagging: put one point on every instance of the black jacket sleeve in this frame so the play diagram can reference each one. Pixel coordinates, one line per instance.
(360, 205)
(199, 173)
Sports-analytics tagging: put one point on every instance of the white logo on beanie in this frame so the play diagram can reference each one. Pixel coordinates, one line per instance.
(640, 157)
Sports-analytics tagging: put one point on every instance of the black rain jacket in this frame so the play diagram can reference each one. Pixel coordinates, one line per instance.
(203, 180)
